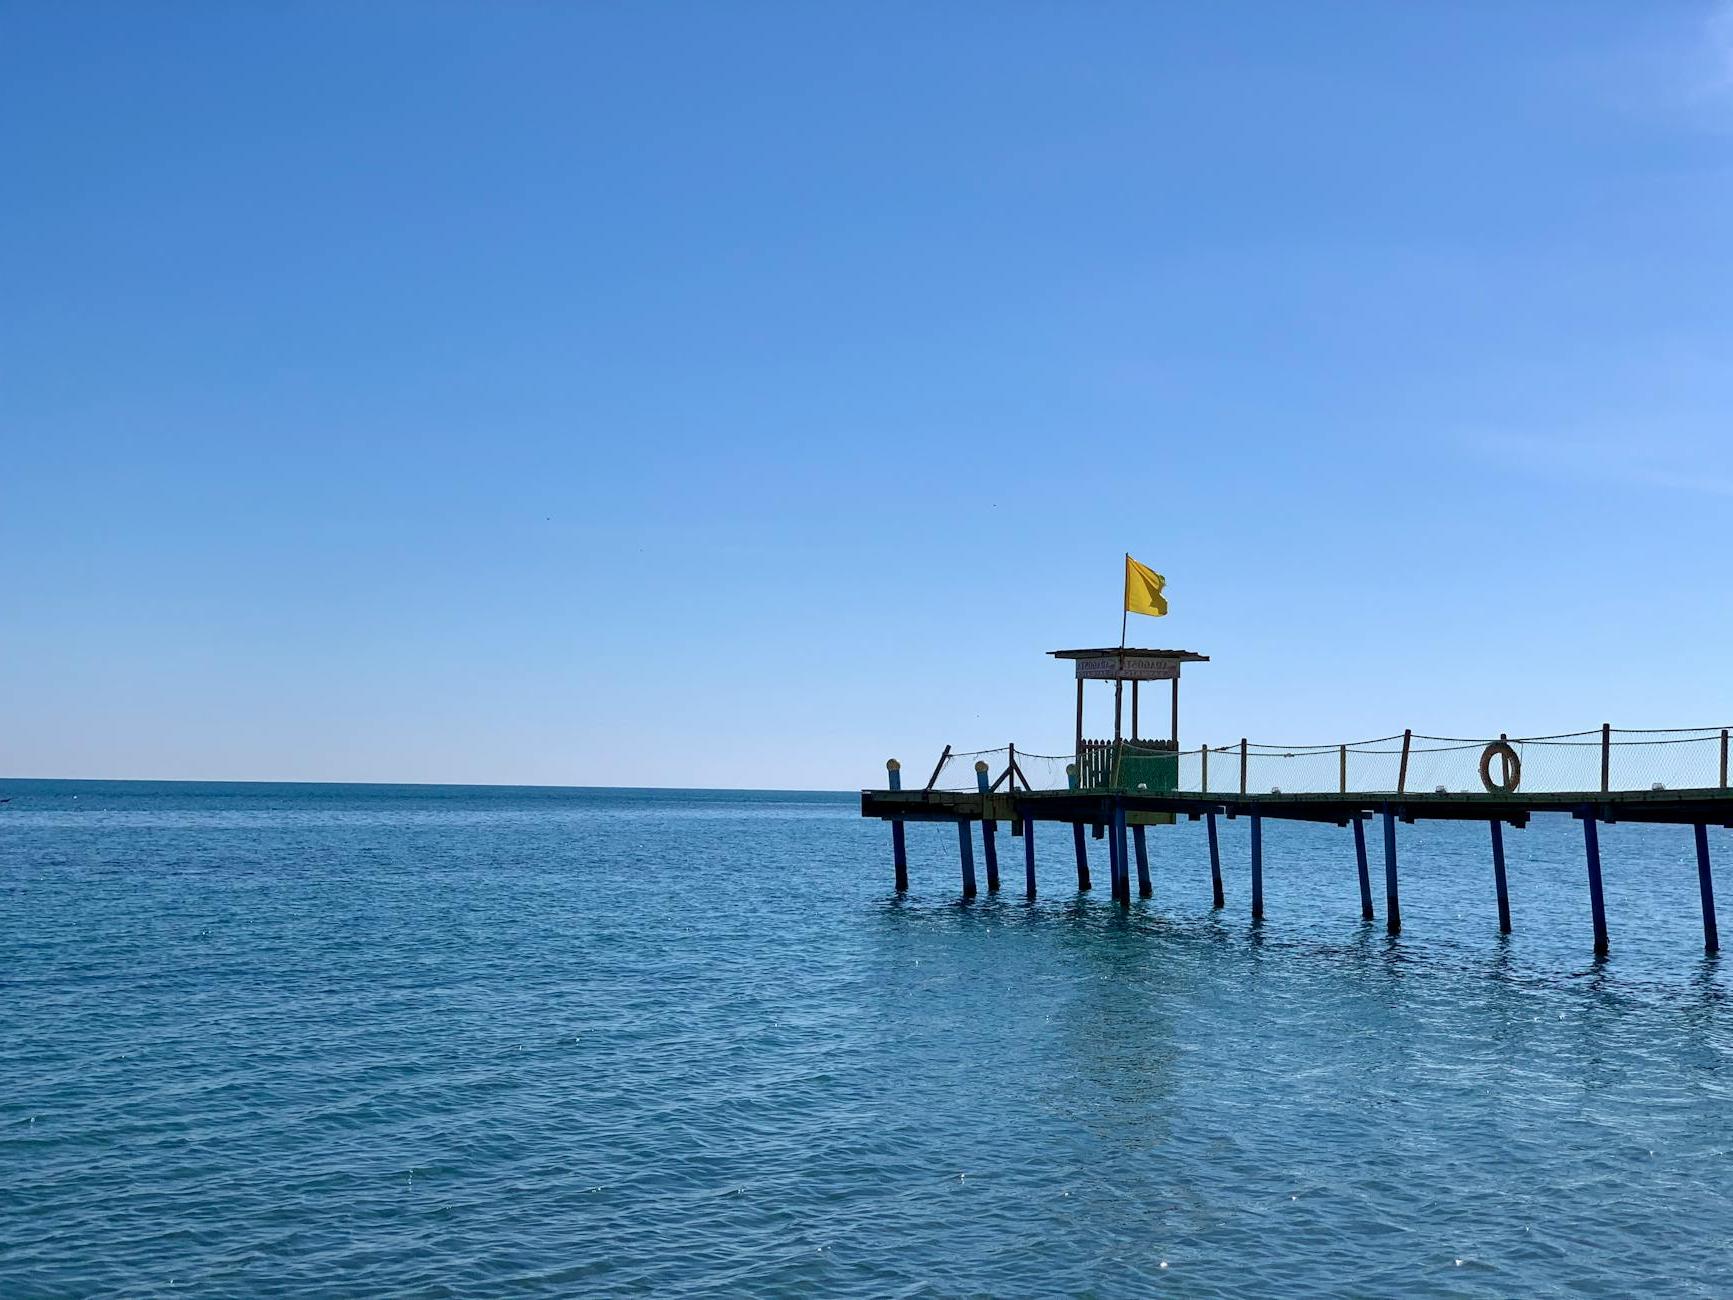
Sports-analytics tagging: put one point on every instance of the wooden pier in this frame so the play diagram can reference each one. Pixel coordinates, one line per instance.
(1113, 812)
(1118, 789)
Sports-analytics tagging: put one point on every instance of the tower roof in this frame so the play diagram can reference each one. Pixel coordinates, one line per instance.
(1182, 656)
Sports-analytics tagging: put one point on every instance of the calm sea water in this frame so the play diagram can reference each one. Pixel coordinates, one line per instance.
(341, 1040)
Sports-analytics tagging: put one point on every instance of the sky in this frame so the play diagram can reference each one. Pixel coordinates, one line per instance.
(743, 394)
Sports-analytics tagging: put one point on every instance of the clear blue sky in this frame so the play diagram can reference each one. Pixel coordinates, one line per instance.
(741, 394)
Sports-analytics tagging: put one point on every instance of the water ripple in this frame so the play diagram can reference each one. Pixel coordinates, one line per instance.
(398, 1041)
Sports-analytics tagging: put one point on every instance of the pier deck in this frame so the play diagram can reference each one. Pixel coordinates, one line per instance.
(1712, 807)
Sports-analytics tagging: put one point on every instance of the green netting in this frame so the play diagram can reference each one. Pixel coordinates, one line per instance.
(1150, 768)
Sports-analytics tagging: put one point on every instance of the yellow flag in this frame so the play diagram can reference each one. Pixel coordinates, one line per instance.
(1143, 587)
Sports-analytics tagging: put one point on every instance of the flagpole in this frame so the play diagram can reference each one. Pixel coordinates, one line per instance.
(1119, 678)
(1123, 613)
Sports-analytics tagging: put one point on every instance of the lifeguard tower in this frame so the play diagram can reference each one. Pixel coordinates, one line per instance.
(1128, 762)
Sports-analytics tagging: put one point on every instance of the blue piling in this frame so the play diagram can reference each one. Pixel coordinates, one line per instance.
(1597, 904)
(1360, 865)
(989, 832)
(1029, 857)
(1145, 887)
(1706, 889)
(1257, 867)
(1392, 896)
(966, 851)
(899, 848)
(1124, 855)
(1498, 877)
(1077, 831)
(1113, 865)
(1215, 864)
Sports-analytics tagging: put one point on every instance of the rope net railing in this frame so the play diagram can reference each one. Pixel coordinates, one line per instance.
(957, 770)
(1603, 760)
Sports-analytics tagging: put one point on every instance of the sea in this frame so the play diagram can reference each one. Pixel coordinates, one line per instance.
(347, 1040)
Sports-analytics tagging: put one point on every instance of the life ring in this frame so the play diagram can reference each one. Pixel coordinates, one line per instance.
(1512, 767)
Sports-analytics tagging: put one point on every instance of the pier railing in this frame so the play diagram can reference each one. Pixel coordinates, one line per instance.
(1606, 759)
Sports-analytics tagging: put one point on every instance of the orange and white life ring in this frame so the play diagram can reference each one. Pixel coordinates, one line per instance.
(1512, 767)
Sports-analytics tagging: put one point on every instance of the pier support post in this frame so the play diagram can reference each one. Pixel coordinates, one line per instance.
(1706, 889)
(1498, 877)
(1124, 857)
(1597, 904)
(1392, 896)
(1366, 913)
(1116, 849)
(1028, 857)
(1215, 864)
(966, 851)
(1145, 887)
(1113, 866)
(989, 832)
(1257, 867)
(899, 846)
(1071, 782)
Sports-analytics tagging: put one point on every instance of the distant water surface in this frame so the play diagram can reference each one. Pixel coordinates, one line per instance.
(290, 1040)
